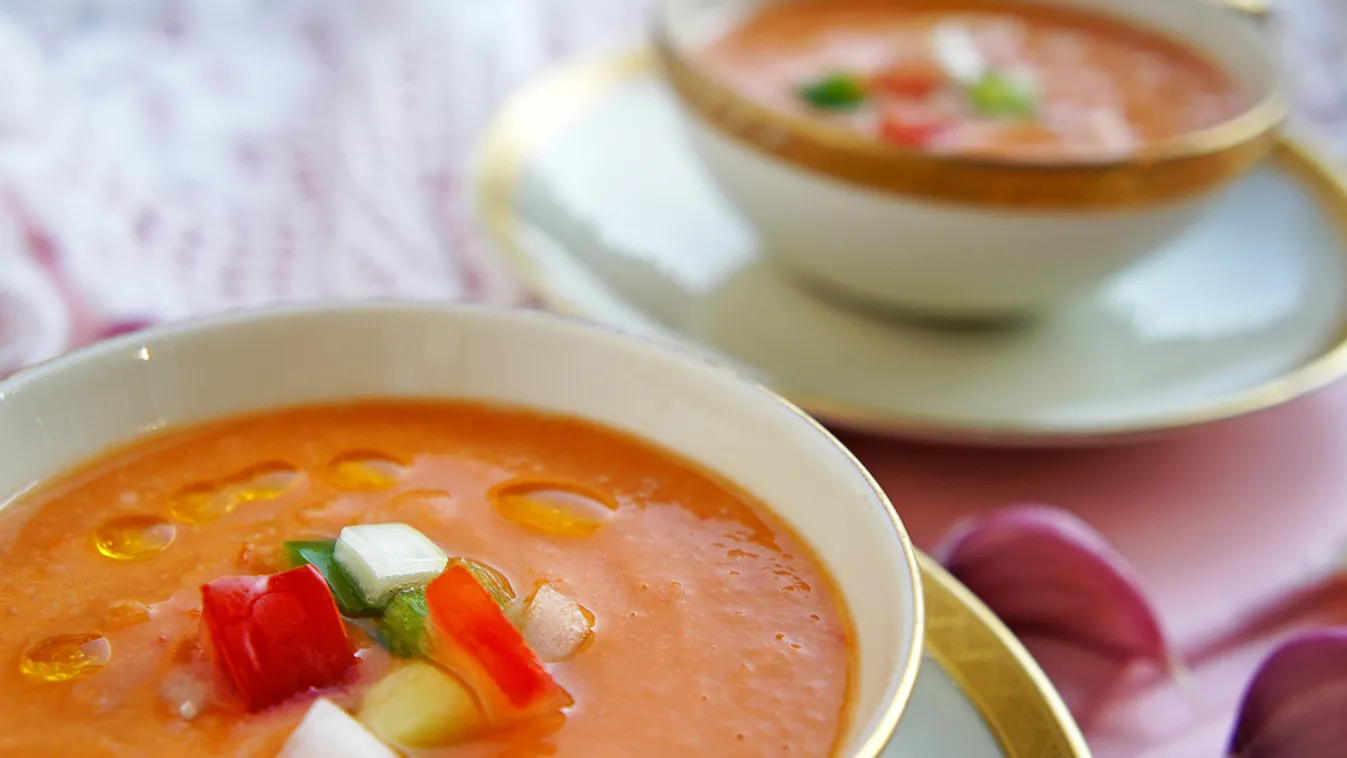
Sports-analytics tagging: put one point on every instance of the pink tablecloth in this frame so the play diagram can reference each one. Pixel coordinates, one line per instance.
(161, 158)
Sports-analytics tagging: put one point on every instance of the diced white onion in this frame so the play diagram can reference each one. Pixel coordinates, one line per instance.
(958, 53)
(1113, 133)
(554, 625)
(383, 559)
(329, 732)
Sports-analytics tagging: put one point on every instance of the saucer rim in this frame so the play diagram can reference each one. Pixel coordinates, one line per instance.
(1016, 700)
(562, 92)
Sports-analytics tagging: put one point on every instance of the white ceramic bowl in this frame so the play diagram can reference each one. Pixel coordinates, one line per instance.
(59, 414)
(959, 236)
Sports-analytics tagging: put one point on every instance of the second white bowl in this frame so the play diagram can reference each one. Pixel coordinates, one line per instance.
(956, 236)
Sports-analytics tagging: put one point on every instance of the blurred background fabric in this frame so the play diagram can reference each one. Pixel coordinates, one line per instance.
(165, 158)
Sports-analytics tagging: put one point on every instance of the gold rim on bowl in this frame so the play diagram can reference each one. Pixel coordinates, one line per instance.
(1183, 166)
(553, 100)
(1015, 698)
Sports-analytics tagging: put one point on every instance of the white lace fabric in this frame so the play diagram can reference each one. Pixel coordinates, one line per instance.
(166, 158)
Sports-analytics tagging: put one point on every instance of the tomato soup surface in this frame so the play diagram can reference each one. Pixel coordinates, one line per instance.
(715, 631)
(974, 76)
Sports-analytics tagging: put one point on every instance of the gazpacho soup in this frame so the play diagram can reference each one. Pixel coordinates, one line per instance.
(974, 76)
(416, 578)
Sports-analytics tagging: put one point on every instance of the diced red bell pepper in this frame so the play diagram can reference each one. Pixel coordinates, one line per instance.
(472, 637)
(910, 80)
(274, 637)
(910, 126)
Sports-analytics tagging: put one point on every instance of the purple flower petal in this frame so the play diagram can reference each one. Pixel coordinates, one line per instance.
(1046, 573)
(1297, 701)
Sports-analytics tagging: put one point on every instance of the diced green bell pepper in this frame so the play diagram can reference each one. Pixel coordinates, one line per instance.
(318, 553)
(834, 92)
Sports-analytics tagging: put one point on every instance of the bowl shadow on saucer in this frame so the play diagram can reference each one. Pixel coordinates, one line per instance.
(742, 316)
(738, 315)
(947, 324)
(757, 316)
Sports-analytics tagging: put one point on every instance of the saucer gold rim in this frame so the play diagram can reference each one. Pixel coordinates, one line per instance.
(1258, 9)
(554, 99)
(1018, 703)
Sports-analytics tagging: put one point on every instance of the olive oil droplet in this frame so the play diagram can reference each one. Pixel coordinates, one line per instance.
(552, 507)
(422, 502)
(65, 657)
(200, 504)
(266, 481)
(134, 538)
(126, 613)
(363, 471)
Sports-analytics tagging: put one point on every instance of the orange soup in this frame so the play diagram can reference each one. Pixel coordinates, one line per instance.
(973, 76)
(443, 579)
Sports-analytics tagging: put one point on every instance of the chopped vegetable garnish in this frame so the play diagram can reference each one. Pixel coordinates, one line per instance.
(404, 620)
(1112, 129)
(912, 126)
(911, 133)
(554, 625)
(274, 637)
(958, 53)
(909, 80)
(491, 580)
(834, 92)
(318, 553)
(1000, 94)
(404, 624)
(384, 559)
(420, 706)
(329, 732)
(473, 638)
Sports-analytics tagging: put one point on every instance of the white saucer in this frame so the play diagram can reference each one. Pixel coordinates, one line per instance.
(590, 189)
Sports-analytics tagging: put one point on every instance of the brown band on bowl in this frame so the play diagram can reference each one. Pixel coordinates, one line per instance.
(1172, 170)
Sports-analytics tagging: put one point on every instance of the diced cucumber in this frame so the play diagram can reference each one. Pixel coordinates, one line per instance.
(404, 620)
(404, 624)
(420, 706)
(319, 554)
